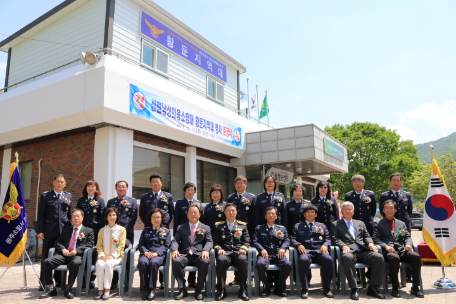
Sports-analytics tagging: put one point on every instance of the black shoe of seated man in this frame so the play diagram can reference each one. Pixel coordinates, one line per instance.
(304, 294)
(40, 288)
(266, 293)
(91, 285)
(221, 295)
(235, 282)
(144, 295)
(395, 293)
(68, 294)
(162, 286)
(57, 285)
(373, 291)
(114, 286)
(354, 294)
(191, 285)
(49, 293)
(243, 295)
(199, 296)
(328, 293)
(280, 293)
(151, 295)
(182, 294)
(416, 292)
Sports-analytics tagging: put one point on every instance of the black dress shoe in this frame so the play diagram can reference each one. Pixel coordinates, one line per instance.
(162, 286)
(191, 285)
(68, 294)
(114, 286)
(328, 293)
(372, 291)
(221, 295)
(280, 293)
(234, 282)
(416, 292)
(304, 294)
(91, 285)
(151, 295)
(243, 295)
(395, 293)
(49, 293)
(40, 288)
(199, 296)
(354, 294)
(182, 294)
(266, 293)
(144, 295)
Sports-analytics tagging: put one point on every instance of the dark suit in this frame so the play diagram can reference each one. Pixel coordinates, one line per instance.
(163, 201)
(154, 241)
(128, 215)
(180, 212)
(213, 213)
(54, 214)
(83, 242)
(341, 237)
(398, 239)
(245, 206)
(264, 200)
(295, 214)
(404, 206)
(327, 212)
(365, 207)
(231, 243)
(183, 243)
(269, 240)
(313, 237)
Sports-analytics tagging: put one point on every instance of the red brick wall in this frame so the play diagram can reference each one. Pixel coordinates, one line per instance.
(71, 155)
(159, 141)
(212, 155)
(308, 179)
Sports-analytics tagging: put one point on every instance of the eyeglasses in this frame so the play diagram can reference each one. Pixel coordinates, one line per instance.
(157, 218)
(324, 187)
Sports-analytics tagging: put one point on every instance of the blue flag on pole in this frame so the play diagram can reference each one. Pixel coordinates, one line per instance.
(13, 220)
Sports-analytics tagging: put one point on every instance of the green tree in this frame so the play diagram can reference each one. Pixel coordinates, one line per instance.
(375, 152)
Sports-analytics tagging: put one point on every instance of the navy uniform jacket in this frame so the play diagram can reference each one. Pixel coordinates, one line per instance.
(53, 214)
(155, 240)
(245, 209)
(311, 240)
(265, 200)
(231, 241)
(404, 204)
(180, 212)
(183, 242)
(327, 213)
(128, 215)
(270, 240)
(93, 215)
(365, 207)
(163, 201)
(295, 213)
(213, 213)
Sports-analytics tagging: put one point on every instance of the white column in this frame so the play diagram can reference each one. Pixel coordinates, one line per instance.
(5, 173)
(190, 167)
(240, 170)
(113, 159)
(299, 180)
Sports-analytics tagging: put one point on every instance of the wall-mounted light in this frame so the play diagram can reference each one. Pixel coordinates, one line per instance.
(89, 57)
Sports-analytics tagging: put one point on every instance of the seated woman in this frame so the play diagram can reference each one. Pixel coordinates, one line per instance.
(110, 248)
(153, 245)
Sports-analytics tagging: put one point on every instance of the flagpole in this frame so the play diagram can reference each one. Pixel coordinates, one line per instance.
(267, 115)
(258, 108)
(248, 99)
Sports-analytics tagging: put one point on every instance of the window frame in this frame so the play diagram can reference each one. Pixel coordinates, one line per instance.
(216, 84)
(155, 58)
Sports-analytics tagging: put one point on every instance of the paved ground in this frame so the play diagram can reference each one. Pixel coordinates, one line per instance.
(10, 291)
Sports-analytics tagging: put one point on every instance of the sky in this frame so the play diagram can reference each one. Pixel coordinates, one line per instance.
(324, 62)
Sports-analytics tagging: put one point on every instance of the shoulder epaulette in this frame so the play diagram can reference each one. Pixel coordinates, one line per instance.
(259, 194)
(385, 192)
(242, 223)
(45, 192)
(280, 226)
(278, 193)
(348, 192)
(66, 192)
(368, 190)
(219, 223)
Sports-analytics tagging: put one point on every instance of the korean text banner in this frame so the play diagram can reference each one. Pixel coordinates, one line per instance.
(160, 33)
(170, 113)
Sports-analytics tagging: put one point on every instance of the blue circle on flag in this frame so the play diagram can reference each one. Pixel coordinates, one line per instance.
(439, 207)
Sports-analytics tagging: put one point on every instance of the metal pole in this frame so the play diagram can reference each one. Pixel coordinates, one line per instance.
(248, 100)
(24, 274)
(443, 272)
(258, 108)
(267, 115)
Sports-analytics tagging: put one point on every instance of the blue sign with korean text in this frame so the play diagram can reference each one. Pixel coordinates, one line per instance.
(170, 113)
(155, 30)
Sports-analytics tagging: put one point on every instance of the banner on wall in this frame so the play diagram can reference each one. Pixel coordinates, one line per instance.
(172, 114)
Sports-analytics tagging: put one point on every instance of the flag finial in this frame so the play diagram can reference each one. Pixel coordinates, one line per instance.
(17, 156)
(431, 147)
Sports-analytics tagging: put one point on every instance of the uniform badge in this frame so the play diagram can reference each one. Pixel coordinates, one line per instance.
(278, 204)
(331, 209)
(368, 208)
(247, 208)
(165, 207)
(321, 238)
(220, 215)
(94, 210)
(162, 242)
(406, 207)
(126, 209)
(66, 208)
(223, 236)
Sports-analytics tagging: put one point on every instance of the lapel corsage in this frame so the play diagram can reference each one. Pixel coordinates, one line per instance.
(81, 236)
(125, 204)
(366, 199)
(200, 231)
(93, 203)
(319, 230)
(329, 202)
(238, 233)
(279, 234)
(278, 199)
(401, 232)
(161, 232)
(219, 208)
(245, 201)
(163, 198)
(67, 201)
(115, 242)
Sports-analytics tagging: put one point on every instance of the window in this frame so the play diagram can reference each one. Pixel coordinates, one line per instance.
(26, 178)
(208, 174)
(154, 58)
(215, 89)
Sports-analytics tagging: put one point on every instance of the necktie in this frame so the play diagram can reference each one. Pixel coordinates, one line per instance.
(58, 197)
(231, 227)
(190, 203)
(73, 240)
(192, 236)
(311, 227)
(397, 194)
(240, 198)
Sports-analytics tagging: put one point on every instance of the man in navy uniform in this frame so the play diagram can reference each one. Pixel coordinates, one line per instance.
(245, 204)
(231, 245)
(271, 241)
(271, 198)
(156, 199)
(402, 198)
(364, 202)
(54, 214)
(312, 240)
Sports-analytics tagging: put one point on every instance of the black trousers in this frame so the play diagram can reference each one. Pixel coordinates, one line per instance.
(285, 269)
(374, 259)
(48, 243)
(326, 272)
(394, 259)
(148, 270)
(224, 262)
(72, 262)
(181, 262)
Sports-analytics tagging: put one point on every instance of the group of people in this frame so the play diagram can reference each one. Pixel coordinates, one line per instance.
(266, 222)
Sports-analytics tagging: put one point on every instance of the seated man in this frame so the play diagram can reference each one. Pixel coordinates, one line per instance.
(312, 241)
(191, 247)
(357, 246)
(271, 241)
(231, 245)
(69, 249)
(392, 235)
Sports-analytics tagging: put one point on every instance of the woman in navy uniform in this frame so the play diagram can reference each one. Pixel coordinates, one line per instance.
(214, 211)
(271, 198)
(153, 244)
(180, 212)
(294, 207)
(328, 210)
(94, 207)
